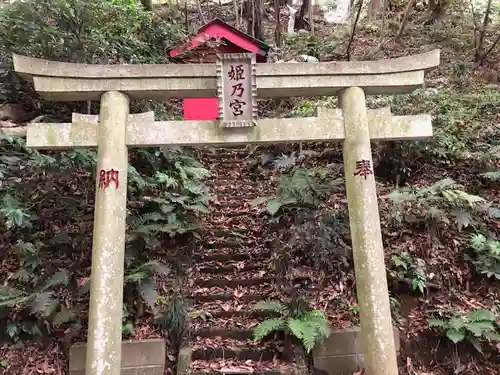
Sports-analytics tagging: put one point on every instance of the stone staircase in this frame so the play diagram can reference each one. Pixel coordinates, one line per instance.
(231, 271)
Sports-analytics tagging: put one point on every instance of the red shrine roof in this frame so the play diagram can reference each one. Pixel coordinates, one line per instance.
(218, 35)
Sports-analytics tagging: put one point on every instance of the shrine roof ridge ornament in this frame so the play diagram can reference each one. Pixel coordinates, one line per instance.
(76, 81)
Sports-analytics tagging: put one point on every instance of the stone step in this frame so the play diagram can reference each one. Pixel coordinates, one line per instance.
(242, 354)
(221, 243)
(226, 154)
(239, 371)
(237, 293)
(212, 326)
(227, 267)
(232, 203)
(247, 314)
(224, 296)
(235, 233)
(231, 254)
(208, 348)
(236, 221)
(221, 257)
(247, 182)
(233, 196)
(251, 212)
(235, 309)
(233, 175)
(225, 333)
(232, 282)
(229, 160)
(225, 165)
(238, 367)
(236, 327)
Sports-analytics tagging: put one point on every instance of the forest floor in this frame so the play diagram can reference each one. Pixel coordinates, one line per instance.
(455, 287)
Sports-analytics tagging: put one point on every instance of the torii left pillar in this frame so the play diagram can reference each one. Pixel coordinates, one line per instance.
(108, 245)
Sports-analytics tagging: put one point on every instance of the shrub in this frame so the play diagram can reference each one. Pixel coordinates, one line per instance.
(301, 188)
(406, 265)
(444, 202)
(296, 320)
(485, 255)
(83, 31)
(479, 325)
(168, 182)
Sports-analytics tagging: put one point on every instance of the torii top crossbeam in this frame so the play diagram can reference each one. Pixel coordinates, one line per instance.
(76, 82)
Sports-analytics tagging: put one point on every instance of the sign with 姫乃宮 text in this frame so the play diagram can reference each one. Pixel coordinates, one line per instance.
(236, 90)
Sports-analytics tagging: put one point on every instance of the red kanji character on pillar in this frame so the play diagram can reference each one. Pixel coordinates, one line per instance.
(108, 177)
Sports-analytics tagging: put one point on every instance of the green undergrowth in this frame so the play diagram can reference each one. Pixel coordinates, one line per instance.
(102, 32)
(463, 125)
(166, 199)
(295, 320)
(47, 198)
(461, 206)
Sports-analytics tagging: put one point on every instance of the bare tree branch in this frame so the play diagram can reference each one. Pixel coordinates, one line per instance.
(348, 52)
(277, 32)
(200, 11)
(492, 47)
(236, 13)
(480, 44)
(384, 20)
(404, 22)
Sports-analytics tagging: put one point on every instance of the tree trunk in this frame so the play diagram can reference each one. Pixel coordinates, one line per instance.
(300, 22)
(437, 9)
(353, 32)
(374, 8)
(277, 31)
(148, 4)
(408, 9)
(254, 26)
(311, 15)
(480, 54)
(236, 13)
(384, 22)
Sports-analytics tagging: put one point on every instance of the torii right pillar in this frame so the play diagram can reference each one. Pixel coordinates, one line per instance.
(368, 252)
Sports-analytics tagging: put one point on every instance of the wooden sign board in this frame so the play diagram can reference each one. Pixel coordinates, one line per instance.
(237, 90)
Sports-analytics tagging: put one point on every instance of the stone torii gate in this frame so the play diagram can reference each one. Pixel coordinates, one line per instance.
(237, 81)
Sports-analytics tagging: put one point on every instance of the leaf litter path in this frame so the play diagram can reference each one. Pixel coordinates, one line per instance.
(232, 271)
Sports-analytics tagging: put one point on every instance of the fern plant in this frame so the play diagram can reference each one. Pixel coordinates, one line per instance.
(172, 316)
(302, 188)
(29, 260)
(485, 255)
(14, 214)
(444, 202)
(488, 159)
(140, 279)
(285, 162)
(492, 175)
(139, 285)
(406, 265)
(176, 198)
(320, 240)
(296, 320)
(476, 326)
(40, 302)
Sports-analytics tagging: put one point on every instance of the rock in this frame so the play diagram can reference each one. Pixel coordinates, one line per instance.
(309, 59)
(14, 113)
(493, 87)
